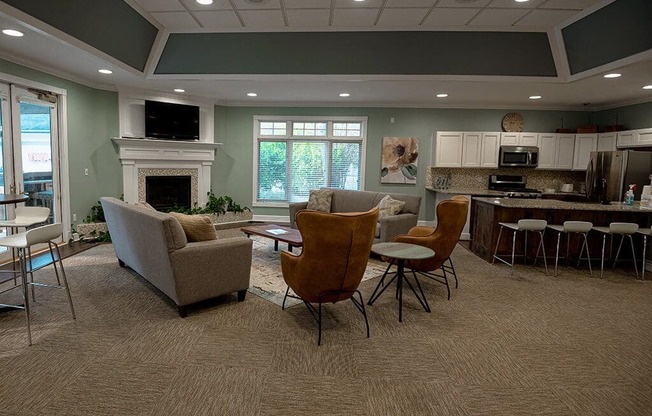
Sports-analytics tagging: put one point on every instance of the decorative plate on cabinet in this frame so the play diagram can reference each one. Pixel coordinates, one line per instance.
(512, 122)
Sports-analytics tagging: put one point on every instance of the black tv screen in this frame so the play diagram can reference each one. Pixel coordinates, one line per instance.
(171, 121)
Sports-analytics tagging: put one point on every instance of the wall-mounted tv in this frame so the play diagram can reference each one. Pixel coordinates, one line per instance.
(171, 121)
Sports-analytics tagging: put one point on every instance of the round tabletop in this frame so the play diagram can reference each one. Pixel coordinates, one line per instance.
(13, 198)
(403, 251)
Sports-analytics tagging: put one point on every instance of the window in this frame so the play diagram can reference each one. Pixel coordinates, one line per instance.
(297, 154)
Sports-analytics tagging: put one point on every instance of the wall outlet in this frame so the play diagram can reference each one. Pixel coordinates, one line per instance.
(74, 217)
(85, 171)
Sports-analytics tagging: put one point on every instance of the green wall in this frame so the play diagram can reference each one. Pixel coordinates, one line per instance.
(638, 116)
(235, 172)
(92, 121)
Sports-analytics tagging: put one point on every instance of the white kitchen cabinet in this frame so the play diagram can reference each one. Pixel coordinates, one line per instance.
(564, 152)
(518, 139)
(556, 151)
(607, 141)
(489, 151)
(447, 150)
(626, 138)
(471, 149)
(644, 137)
(547, 145)
(584, 145)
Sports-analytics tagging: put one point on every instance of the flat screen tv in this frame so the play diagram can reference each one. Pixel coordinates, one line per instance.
(170, 121)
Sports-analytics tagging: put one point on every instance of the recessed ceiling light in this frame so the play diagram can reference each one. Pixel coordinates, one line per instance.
(179, 90)
(105, 71)
(359, 0)
(535, 97)
(614, 75)
(11, 32)
(205, 2)
(521, 1)
(345, 94)
(647, 87)
(252, 94)
(442, 95)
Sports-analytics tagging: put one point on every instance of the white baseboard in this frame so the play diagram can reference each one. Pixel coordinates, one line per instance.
(276, 219)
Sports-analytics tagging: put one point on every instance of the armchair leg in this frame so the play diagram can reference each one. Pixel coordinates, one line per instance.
(241, 295)
(285, 297)
(183, 311)
(360, 305)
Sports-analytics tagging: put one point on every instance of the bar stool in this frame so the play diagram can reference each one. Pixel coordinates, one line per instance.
(577, 227)
(523, 225)
(617, 228)
(645, 232)
(22, 242)
(26, 217)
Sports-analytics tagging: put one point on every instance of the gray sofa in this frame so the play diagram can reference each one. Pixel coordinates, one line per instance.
(154, 245)
(360, 201)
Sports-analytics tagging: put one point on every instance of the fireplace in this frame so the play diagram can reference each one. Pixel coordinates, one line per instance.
(166, 192)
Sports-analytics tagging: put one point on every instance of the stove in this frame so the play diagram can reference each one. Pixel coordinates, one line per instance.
(513, 186)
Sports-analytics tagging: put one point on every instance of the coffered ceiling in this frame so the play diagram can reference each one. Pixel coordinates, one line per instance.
(482, 53)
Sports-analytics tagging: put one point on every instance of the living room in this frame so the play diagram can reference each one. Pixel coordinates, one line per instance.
(524, 344)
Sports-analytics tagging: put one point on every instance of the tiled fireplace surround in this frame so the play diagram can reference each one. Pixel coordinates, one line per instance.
(141, 158)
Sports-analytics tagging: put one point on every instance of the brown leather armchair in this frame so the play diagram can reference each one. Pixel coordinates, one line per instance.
(451, 217)
(333, 260)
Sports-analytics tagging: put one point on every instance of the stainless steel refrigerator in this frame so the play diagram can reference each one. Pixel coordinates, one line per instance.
(609, 174)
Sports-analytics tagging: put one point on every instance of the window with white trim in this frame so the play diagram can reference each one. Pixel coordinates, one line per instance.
(294, 155)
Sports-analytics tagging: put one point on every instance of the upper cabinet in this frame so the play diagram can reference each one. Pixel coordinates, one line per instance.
(556, 151)
(447, 150)
(606, 141)
(518, 139)
(453, 149)
(584, 145)
(634, 138)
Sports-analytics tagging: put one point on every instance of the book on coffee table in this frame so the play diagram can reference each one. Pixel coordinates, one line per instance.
(277, 231)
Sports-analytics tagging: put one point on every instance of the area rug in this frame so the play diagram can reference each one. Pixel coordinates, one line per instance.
(267, 279)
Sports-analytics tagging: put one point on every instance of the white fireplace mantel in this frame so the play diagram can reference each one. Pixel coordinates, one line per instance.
(165, 158)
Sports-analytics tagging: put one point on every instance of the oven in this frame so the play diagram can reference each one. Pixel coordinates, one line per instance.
(519, 156)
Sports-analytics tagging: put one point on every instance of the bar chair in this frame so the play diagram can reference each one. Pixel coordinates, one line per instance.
(617, 228)
(522, 225)
(570, 227)
(22, 243)
(645, 232)
(26, 217)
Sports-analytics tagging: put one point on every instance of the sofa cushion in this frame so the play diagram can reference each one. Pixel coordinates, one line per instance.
(320, 200)
(389, 206)
(196, 227)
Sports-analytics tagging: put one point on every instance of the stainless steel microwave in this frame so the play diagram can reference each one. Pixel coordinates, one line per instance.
(519, 156)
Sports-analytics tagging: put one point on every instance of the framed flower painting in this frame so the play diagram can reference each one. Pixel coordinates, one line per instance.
(399, 160)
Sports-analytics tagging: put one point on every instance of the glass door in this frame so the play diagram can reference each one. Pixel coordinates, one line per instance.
(29, 140)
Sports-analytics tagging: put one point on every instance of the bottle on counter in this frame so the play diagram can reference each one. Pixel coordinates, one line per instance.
(629, 195)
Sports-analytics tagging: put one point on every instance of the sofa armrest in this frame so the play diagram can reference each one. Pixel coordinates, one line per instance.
(294, 208)
(396, 224)
(207, 269)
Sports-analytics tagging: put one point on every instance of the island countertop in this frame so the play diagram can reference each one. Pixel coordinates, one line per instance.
(538, 203)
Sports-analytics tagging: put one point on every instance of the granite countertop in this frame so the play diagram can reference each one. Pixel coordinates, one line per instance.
(539, 203)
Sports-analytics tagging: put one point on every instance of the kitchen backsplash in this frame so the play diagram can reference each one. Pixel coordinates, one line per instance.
(474, 178)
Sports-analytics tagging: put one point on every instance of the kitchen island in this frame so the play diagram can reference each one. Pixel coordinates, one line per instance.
(488, 212)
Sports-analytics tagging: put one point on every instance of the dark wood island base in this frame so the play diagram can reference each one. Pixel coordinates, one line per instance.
(488, 212)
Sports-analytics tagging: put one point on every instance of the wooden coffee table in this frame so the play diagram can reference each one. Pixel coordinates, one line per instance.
(277, 233)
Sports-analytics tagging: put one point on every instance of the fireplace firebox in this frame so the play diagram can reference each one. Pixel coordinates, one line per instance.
(167, 192)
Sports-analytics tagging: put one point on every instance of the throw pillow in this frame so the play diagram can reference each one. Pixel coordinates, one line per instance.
(320, 200)
(196, 227)
(389, 206)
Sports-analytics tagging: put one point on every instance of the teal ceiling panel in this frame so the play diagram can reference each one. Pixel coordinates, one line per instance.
(374, 53)
(616, 31)
(111, 26)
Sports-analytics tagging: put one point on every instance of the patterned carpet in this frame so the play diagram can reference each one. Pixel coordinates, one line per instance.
(527, 344)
